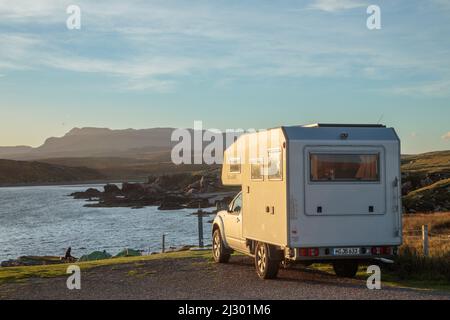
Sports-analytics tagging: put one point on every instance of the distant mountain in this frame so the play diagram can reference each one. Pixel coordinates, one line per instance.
(23, 172)
(18, 150)
(127, 154)
(97, 142)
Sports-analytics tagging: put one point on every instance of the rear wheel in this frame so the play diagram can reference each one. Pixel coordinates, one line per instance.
(346, 268)
(220, 253)
(266, 266)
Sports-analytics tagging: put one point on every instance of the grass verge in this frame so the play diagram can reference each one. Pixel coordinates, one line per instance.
(8, 274)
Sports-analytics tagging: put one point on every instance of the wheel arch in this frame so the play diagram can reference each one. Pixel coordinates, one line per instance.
(218, 224)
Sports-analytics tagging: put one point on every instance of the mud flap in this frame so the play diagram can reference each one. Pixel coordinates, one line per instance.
(275, 253)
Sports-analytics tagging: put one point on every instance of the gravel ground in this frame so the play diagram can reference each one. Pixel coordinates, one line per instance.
(196, 278)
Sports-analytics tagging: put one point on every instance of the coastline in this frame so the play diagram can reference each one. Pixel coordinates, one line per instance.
(65, 183)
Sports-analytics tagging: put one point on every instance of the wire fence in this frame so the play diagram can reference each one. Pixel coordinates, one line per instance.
(429, 243)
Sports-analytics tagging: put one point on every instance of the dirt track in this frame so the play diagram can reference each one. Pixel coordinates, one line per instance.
(197, 278)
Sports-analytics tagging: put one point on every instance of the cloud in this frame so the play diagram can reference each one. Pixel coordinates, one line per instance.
(446, 136)
(432, 89)
(153, 45)
(335, 5)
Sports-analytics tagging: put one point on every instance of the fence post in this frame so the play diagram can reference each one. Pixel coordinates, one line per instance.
(163, 243)
(426, 250)
(200, 228)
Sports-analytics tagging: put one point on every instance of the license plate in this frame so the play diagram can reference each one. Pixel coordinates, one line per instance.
(346, 251)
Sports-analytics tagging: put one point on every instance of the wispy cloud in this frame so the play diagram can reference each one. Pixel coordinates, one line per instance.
(152, 45)
(431, 89)
(335, 5)
(15, 50)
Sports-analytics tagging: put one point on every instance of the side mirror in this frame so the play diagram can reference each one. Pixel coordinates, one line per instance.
(220, 205)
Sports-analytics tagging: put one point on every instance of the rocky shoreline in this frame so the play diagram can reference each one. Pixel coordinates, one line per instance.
(167, 192)
(24, 261)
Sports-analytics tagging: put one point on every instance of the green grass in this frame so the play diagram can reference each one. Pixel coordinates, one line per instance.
(45, 271)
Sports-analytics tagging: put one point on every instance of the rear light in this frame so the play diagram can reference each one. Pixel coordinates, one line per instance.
(376, 250)
(308, 252)
(381, 250)
(303, 252)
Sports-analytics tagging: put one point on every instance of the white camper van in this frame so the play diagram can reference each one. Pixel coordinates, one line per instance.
(316, 193)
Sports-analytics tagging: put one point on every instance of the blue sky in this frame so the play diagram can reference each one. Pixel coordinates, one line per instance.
(231, 64)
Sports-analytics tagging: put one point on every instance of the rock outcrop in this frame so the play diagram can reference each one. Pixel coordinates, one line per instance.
(168, 192)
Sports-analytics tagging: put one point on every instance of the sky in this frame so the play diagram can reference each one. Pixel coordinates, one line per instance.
(229, 63)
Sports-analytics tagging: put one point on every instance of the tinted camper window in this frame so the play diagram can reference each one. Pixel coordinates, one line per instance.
(274, 165)
(256, 168)
(344, 167)
(235, 165)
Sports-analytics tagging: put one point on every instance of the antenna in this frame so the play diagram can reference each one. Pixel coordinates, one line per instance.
(381, 118)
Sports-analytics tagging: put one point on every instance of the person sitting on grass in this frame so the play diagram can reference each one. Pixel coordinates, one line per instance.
(68, 255)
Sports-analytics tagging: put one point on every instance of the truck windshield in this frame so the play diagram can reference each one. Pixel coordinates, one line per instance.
(344, 167)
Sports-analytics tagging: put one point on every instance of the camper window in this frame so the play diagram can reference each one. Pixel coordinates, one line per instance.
(235, 165)
(274, 165)
(344, 167)
(256, 168)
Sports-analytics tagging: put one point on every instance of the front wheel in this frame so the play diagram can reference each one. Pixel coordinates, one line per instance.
(220, 253)
(346, 268)
(266, 266)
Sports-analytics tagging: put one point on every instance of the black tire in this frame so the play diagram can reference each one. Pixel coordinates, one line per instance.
(345, 268)
(220, 253)
(266, 267)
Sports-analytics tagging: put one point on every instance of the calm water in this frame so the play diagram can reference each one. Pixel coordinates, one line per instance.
(45, 221)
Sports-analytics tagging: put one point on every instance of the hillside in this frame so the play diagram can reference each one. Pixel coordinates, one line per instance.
(425, 180)
(429, 163)
(435, 197)
(422, 170)
(23, 172)
(128, 169)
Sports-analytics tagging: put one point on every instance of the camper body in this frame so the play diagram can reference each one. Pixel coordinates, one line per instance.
(319, 193)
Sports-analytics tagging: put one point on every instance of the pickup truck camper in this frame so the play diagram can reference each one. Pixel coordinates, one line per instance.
(324, 193)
